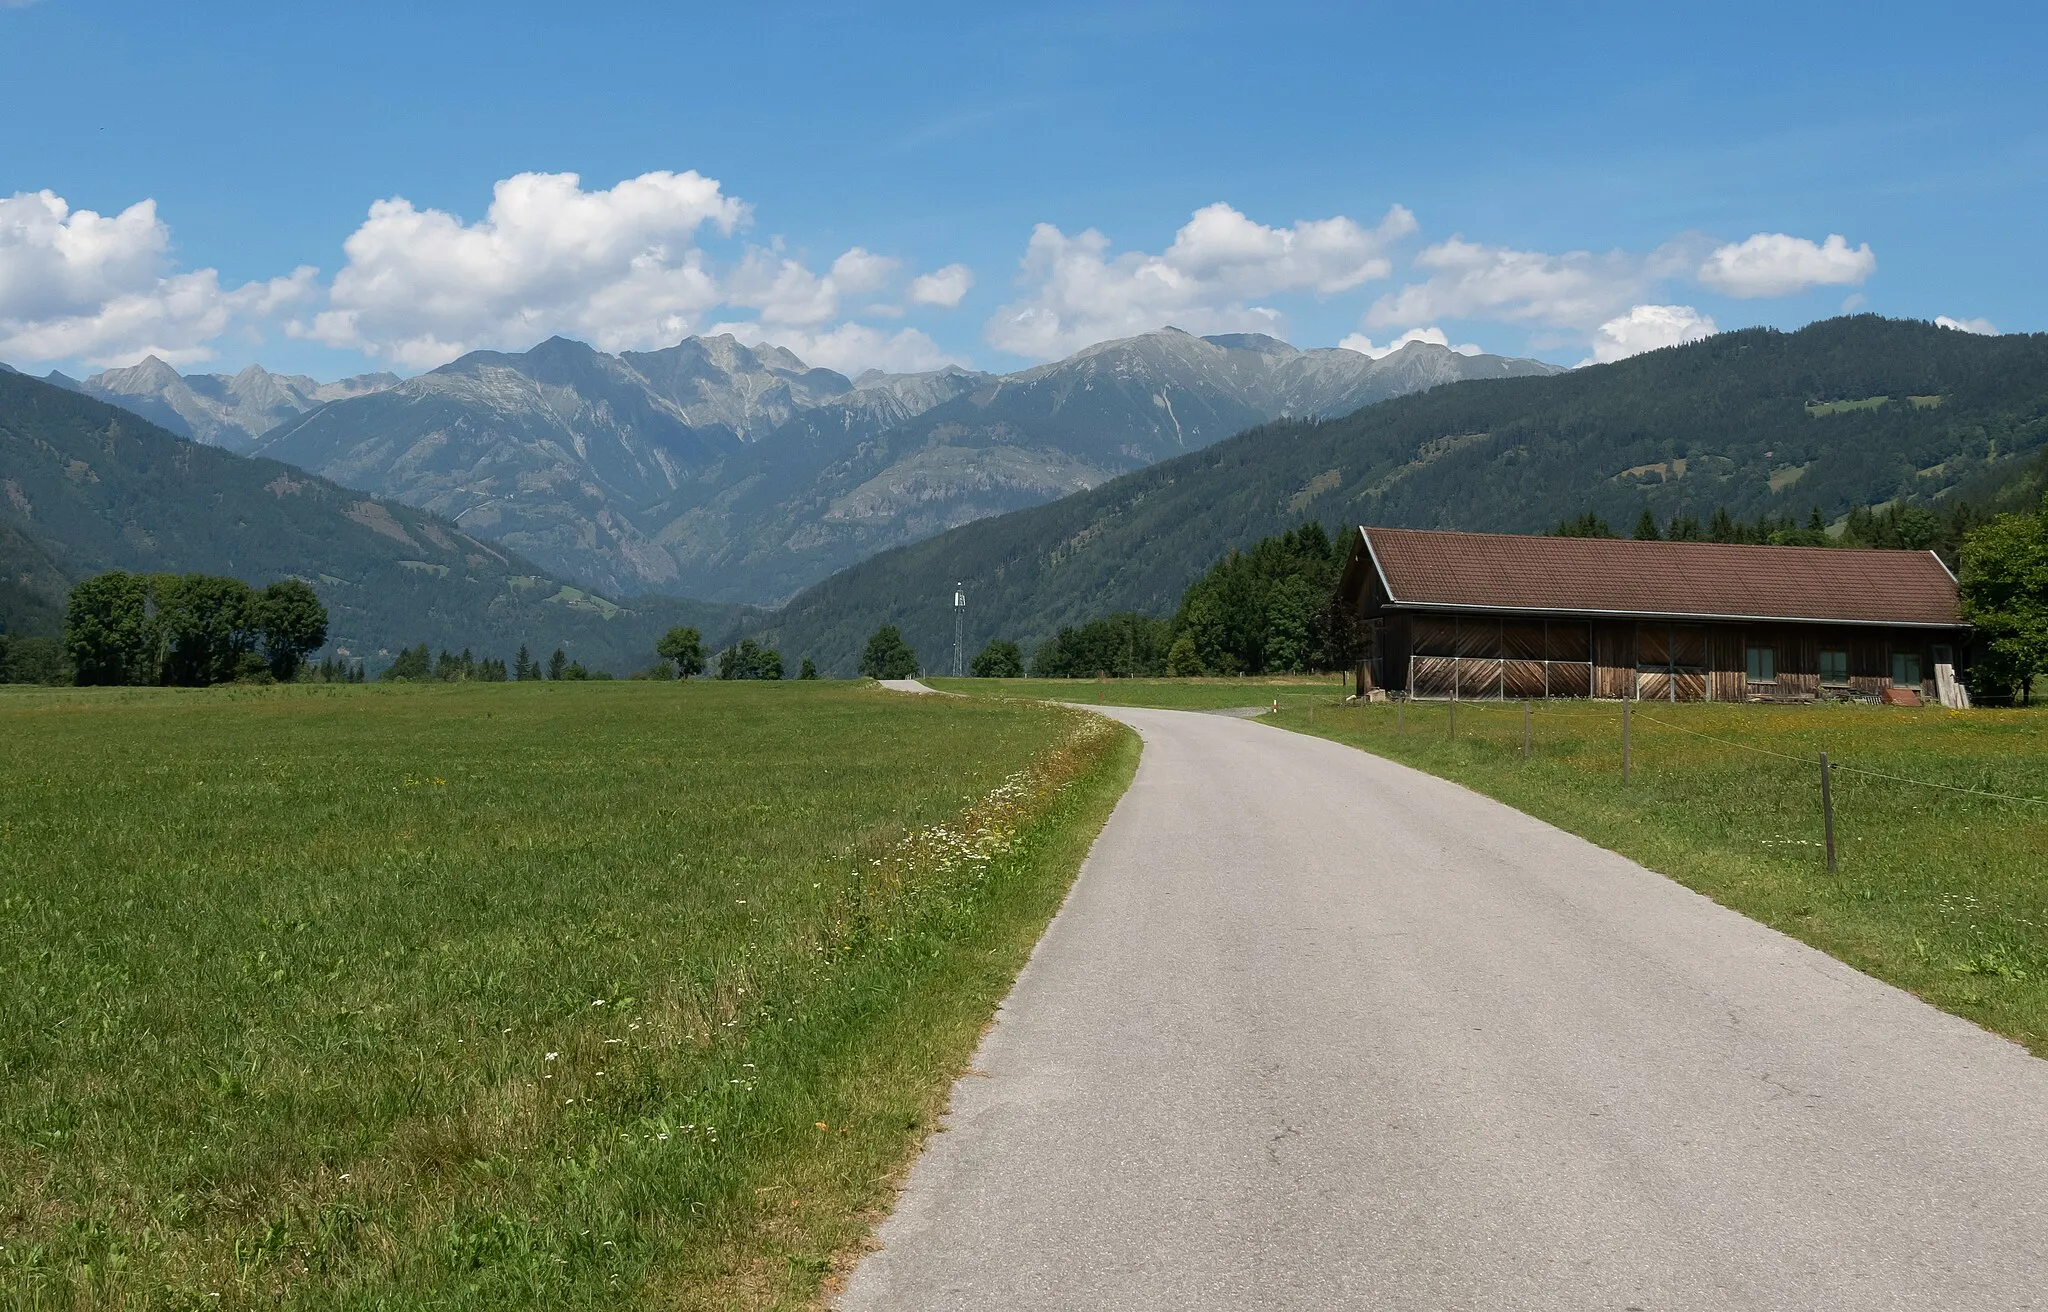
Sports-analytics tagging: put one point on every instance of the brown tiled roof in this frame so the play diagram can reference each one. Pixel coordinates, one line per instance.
(1495, 571)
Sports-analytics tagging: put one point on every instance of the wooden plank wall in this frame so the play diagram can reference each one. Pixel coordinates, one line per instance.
(1614, 658)
(1710, 662)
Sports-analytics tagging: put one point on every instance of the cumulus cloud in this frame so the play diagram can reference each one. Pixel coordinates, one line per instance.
(1775, 264)
(1362, 344)
(1648, 328)
(1076, 293)
(785, 292)
(942, 287)
(618, 267)
(850, 348)
(1982, 327)
(78, 285)
(1466, 279)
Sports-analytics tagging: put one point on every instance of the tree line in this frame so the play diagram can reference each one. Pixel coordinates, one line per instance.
(1893, 527)
(188, 630)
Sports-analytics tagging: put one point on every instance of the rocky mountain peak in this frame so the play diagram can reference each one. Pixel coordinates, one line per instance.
(150, 374)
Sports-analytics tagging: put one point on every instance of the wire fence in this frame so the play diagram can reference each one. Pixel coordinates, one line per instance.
(1548, 729)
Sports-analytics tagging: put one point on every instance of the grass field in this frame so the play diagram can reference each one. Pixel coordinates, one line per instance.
(1175, 694)
(1941, 892)
(530, 995)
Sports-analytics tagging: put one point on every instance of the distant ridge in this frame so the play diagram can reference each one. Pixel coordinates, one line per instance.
(85, 487)
(217, 409)
(739, 473)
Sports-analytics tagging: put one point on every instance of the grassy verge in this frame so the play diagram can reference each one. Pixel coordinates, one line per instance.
(1938, 891)
(1174, 694)
(565, 996)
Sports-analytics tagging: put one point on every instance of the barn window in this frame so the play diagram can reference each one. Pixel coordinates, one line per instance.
(1905, 669)
(1763, 664)
(1834, 666)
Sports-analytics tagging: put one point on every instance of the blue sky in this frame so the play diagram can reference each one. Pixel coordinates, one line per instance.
(898, 185)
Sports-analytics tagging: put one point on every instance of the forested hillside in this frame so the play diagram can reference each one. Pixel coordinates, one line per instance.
(1849, 412)
(86, 487)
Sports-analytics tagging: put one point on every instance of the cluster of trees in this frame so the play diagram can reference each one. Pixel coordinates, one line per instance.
(888, 656)
(1001, 659)
(1270, 610)
(189, 630)
(682, 657)
(334, 669)
(417, 665)
(2005, 594)
(1720, 527)
(32, 660)
(1124, 645)
(1895, 527)
(747, 659)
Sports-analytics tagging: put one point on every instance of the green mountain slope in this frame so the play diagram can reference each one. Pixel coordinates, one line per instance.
(1846, 412)
(85, 486)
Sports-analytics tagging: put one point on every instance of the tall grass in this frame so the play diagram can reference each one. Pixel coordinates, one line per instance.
(1943, 892)
(530, 995)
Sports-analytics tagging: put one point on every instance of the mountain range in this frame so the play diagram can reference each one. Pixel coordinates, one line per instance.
(749, 445)
(735, 473)
(218, 409)
(85, 486)
(1857, 411)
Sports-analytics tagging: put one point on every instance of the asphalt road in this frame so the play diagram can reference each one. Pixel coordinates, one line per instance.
(1317, 1031)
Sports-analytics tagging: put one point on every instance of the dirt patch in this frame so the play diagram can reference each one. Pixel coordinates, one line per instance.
(377, 519)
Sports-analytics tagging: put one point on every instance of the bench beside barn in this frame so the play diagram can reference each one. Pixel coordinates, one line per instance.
(1486, 616)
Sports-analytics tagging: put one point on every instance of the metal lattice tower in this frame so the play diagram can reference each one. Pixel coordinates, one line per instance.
(959, 630)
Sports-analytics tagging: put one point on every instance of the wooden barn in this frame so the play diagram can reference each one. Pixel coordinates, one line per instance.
(1485, 616)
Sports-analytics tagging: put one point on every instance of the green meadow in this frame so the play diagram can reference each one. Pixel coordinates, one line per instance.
(480, 996)
(1939, 888)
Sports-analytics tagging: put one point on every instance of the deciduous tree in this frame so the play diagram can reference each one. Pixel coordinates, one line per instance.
(107, 630)
(2005, 594)
(682, 647)
(999, 660)
(293, 625)
(888, 656)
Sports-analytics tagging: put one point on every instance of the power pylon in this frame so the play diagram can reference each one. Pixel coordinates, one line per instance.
(959, 630)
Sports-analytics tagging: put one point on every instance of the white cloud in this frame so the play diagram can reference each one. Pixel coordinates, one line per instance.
(1076, 294)
(785, 292)
(942, 287)
(619, 268)
(1648, 328)
(1471, 280)
(1775, 264)
(1983, 327)
(1362, 344)
(850, 348)
(78, 285)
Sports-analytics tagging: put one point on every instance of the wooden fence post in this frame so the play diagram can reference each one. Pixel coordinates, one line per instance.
(1827, 809)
